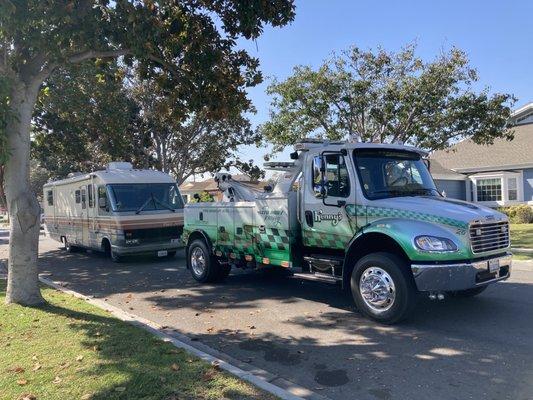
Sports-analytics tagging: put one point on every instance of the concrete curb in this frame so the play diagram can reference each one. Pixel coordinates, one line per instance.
(282, 388)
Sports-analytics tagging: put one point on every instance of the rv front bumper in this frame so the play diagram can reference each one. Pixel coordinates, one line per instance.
(463, 275)
(150, 248)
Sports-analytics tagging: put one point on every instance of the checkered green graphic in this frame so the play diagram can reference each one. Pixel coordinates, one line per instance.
(273, 239)
(382, 212)
(325, 240)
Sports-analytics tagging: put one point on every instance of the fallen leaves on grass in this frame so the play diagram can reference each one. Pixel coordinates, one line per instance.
(175, 367)
(120, 389)
(17, 369)
(79, 358)
(22, 382)
(210, 374)
(36, 367)
(57, 380)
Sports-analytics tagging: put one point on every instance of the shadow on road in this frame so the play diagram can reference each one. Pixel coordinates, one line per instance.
(439, 353)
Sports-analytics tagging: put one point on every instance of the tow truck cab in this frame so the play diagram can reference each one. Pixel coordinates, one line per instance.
(367, 216)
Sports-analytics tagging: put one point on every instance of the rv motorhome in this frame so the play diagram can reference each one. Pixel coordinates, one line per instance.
(120, 211)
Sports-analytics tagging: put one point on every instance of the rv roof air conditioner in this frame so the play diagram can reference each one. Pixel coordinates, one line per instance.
(119, 165)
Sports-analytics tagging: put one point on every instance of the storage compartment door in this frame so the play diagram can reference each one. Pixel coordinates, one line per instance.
(226, 229)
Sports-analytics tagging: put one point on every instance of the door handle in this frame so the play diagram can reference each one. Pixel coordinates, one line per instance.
(309, 218)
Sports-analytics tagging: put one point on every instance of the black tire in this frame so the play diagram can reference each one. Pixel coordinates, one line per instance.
(203, 265)
(469, 292)
(385, 267)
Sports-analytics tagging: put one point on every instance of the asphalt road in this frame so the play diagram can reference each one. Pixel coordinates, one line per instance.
(310, 333)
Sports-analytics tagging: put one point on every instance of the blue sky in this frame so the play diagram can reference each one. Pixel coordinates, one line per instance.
(497, 36)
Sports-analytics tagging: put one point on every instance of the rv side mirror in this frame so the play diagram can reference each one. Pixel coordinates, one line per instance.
(102, 202)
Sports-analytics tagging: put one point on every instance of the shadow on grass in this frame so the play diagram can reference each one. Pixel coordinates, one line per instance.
(131, 363)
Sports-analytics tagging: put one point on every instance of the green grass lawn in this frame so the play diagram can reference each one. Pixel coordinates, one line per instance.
(69, 349)
(522, 236)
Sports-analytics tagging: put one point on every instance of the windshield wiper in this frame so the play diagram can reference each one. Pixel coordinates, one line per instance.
(141, 208)
(163, 204)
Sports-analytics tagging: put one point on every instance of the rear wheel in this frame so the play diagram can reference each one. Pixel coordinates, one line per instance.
(382, 288)
(203, 266)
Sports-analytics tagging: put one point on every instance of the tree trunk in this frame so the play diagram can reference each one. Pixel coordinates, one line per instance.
(24, 210)
(3, 201)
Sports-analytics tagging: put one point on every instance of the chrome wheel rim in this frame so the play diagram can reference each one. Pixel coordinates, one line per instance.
(198, 261)
(377, 289)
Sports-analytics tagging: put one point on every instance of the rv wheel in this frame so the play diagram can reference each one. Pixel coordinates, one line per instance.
(203, 266)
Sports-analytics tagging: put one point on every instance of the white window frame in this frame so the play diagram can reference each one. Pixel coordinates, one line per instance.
(504, 177)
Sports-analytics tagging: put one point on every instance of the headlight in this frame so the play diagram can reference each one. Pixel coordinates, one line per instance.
(433, 243)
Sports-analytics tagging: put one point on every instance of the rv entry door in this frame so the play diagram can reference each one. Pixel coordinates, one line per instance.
(84, 217)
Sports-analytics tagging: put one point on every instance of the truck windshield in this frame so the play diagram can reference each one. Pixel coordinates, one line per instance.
(145, 197)
(393, 173)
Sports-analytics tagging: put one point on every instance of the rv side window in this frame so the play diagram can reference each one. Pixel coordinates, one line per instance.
(90, 194)
(77, 195)
(102, 198)
(50, 197)
(83, 199)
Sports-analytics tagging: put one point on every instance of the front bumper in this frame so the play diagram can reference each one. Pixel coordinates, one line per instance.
(146, 248)
(460, 276)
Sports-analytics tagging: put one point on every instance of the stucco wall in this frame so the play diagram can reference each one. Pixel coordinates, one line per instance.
(453, 189)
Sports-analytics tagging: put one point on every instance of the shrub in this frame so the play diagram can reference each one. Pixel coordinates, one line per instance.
(519, 214)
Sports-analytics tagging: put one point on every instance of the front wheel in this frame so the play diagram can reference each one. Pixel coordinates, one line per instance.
(383, 288)
(203, 266)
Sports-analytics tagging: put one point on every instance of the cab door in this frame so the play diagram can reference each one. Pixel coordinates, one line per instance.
(329, 186)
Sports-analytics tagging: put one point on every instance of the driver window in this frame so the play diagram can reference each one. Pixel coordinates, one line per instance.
(337, 179)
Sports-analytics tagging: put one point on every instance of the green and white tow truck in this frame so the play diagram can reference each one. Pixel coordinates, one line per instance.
(367, 216)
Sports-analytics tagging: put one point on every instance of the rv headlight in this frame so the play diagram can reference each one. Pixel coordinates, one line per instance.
(433, 243)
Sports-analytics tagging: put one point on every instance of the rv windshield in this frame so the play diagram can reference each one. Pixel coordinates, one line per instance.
(393, 173)
(145, 197)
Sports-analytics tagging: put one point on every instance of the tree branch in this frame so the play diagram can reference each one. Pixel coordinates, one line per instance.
(86, 55)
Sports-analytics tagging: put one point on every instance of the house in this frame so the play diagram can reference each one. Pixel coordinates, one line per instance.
(189, 188)
(497, 175)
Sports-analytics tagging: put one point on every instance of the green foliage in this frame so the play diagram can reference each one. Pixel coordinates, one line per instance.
(387, 97)
(85, 119)
(203, 197)
(519, 214)
(189, 143)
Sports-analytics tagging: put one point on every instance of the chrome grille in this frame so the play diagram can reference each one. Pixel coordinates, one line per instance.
(489, 236)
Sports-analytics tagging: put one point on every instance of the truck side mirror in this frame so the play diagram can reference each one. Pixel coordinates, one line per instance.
(102, 202)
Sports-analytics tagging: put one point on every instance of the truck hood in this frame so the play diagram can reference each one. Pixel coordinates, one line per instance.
(442, 209)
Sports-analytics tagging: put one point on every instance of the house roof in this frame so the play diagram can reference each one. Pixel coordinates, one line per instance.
(466, 156)
(439, 172)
